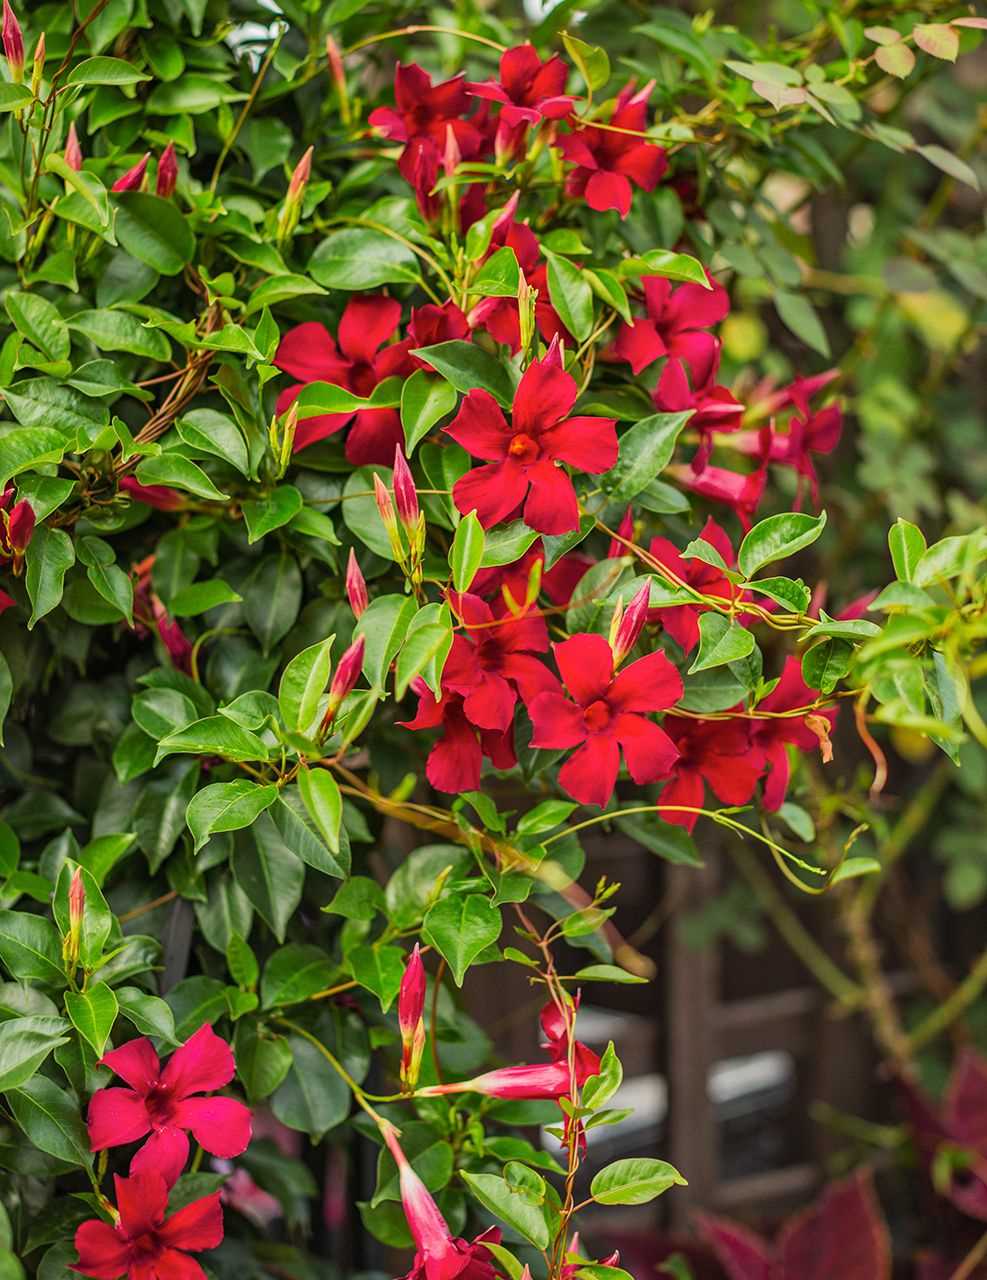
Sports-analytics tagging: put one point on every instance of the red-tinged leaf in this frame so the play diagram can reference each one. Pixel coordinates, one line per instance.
(882, 35)
(896, 59)
(966, 1102)
(843, 1234)
(742, 1254)
(938, 39)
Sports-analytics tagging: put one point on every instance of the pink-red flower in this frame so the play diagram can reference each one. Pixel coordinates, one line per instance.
(717, 753)
(499, 316)
(607, 715)
(741, 491)
(557, 1038)
(359, 362)
(681, 621)
(609, 160)
(432, 324)
(162, 1103)
(714, 408)
(145, 1244)
(133, 179)
(167, 172)
(772, 736)
(523, 454)
(807, 432)
(455, 762)
(674, 326)
(16, 528)
(528, 89)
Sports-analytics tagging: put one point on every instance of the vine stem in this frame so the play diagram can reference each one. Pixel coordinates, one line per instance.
(953, 1006)
(416, 30)
(241, 119)
(972, 1260)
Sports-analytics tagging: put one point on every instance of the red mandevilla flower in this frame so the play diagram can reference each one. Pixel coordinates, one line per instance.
(161, 1103)
(717, 752)
(529, 89)
(608, 160)
(144, 1244)
(432, 324)
(674, 326)
(681, 621)
(455, 761)
(606, 716)
(309, 353)
(523, 454)
(16, 527)
(740, 491)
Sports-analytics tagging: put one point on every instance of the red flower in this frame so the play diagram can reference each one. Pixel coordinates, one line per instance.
(530, 90)
(432, 324)
(491, 662)
(556, 1032)
(772, 736)
(161, 1103)
(682, 621)
(606, 716)
(523, 455)
(673, 326)
(167, 172)
(309, 353)
(145, 1244)
(411, 1019)
(607, 160)
(514, 580)
(717, 752)
(740, 491)
(807, 433)
(159, 496)
(454, 763)
(16, 528)
(6, 601)
(713, 407)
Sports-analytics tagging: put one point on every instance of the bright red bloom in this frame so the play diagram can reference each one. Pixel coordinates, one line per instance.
(681, 621)
(740, 491)
(491, 662)
(807, 433)
(556, 1033)
(772, 736)
(607, 716)
(674, 326)
(144, 1244)
(455, 762)
(717, 752)
(432, 324)
(529, 89)
(607, 160)
(133, 178)
(161, 1102)
(440, 1255)
(523, 454)
(713, 407)
(361, 361)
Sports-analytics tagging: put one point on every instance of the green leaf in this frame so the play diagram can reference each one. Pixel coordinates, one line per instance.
(105, 71)
(360, 513)
(39, 321)
(51, 1120)
(466, 366)
(24, 448)
(798, 314)
(592, 61)
(30, 948)
(635, 1181)
(313, 1098)
(200, 597)
(270, 873)
(24, 1045)
(499, 277)
(272, 597)
(790, 593)
(241, 962)
(506, 543)
(510, 1206)
(466, 553)
(154, 231)
(213, 736)
(663, 262)
(600, 1088)
(608, 973)
(261, 1063)
(824, 665)
(115, 586)
(424, 401)
(207, 431)
(191, 94)
(149, 1014)
(384, 625)
(323, 803)
(460, 928)
(379, 969)
(50, 554)
(13, 96)
(852, 868)
(274, 509)
(777, 537)
(360, 258)
(721, 640)
(294, 973)
(304, 681)
(6, 692)
(645, 450)
(176, 472)
(93, 1013)
(907, 545)
(280, 288)
(571, 295)
(425, 650)
(120, 331)
(226, 806)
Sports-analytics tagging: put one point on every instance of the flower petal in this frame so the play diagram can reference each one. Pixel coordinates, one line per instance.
(116, 1117)
(587, 443)
(490, 703)
(454, 762)
(136, 1062)
(649, 684)
(372, 437)
(480, 427)
(607, 190)
(686, 788)
(141, 1200)
(544, 396)
(558, 723)
(643, 164)
(198, 1226)
(492, 491)
(172, 1264)
(590, 774)
(648, 750)
(102, 1253)
(309, 353)
(640, 344)
(204, 1062)
(165, 1153)
(586, 663)
(366, 324)
(551, 506)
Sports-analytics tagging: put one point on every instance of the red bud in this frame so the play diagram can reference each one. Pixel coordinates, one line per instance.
(13, 43)
(630, 625)
(411, 1020)
(405, 494)
(20, 526)
(167, 172)
(356, 586)
(133, 178)
(344, 679)
(300, 177)
(73, 152)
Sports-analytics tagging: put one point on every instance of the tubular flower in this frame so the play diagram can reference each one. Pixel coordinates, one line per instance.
(607, 715)
(492, 661)
(432, 324)
(529, 1080)
(772, 736)
(674, 326)
(411, 1019)
(607, 160)
(455, 762)
(133, 179)
(714, 752)
(714, 408)
(144, 1243)
(528, 89)
(162, 1103)
(681, 621)
(557, 1037)
(439, 1254)
(361, 361)
(741, 491)
(523, 454)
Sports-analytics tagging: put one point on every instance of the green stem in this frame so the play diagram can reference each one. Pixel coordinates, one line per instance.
(241, 119)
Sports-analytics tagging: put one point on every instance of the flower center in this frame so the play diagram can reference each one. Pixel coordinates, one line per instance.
(523, 448)
(596, 716)
(160, 1105)
(362, 378)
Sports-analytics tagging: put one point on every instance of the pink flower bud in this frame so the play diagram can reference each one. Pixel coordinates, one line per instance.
(553, 356)
(440, 1257)
(133, 178)
(384, 505)
(20, 526)
(338, 74)
(73, 152)
(411, 1020)
(630, 625)
(167, 172)
(13, 43)
(300, 177)
(405, 494)
(451, 155)
(344, 679)
(356, 586)
(77, 899)
(535, 1080)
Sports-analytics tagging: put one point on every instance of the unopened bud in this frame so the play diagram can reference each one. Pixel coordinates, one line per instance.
(338, 73)
(356, 586)
(77, 909)
(300, 176)
(284, 447)
(628, 624)
(167, 172)
(526, 299)
(133, 178)
(405, 494)
(38, 64)
(344, 679)
(386, 510)
(625, 534)
(73, 152)
(292, 207)
(13, 43)
(411, 1019)
(20, 526)
(451, 155)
